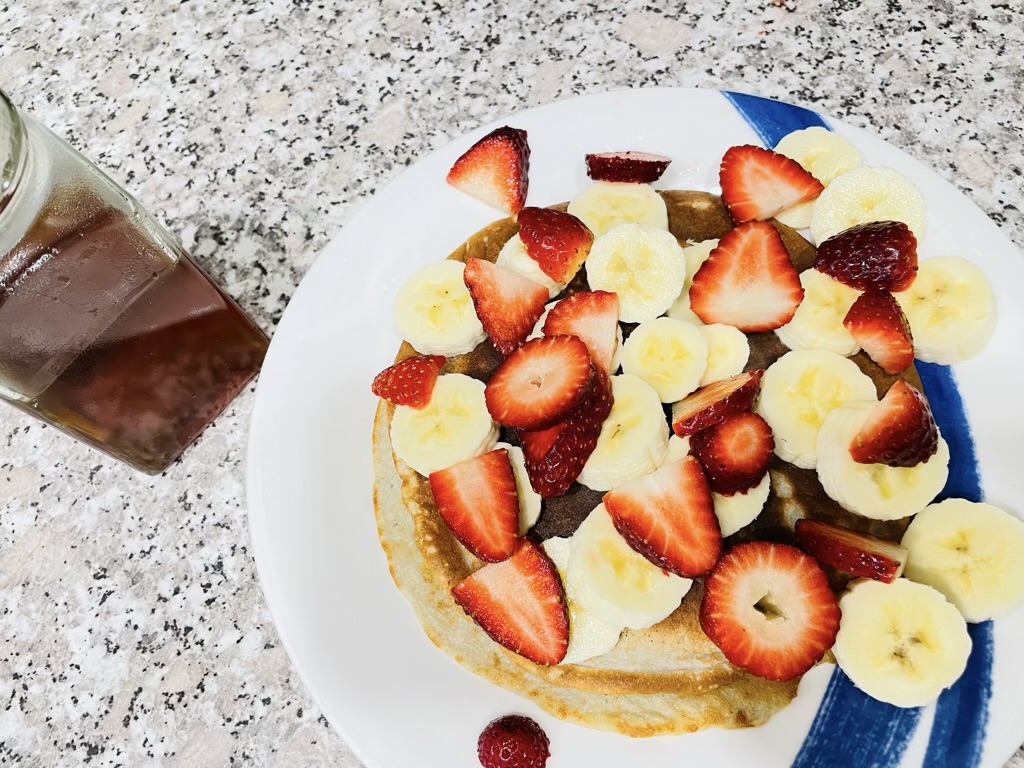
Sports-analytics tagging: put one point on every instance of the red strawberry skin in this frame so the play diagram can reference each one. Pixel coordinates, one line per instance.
(591, 315)
(734, 454)
(768, 607)
(714, 403)
(479, 502)
(507, 304)
(669, 518)
(881, 254)
(877, 323)
(635, 167)
(855, 553)
(900, 431)
(748, 281)
(513, 741)
(557, 241)
(495, 170)
(410, 381)
(758, 183)
(520, 604)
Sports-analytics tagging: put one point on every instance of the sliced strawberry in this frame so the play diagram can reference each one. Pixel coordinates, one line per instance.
(495, 170)
(758, 183)
(507, 303)
(410, 381)
(881, 254)
(900, 431)
(540, 383)
(636, 167)
(669, 518)
(520, 603)
(478, 500)
(591, 315)
(555, 456)
(735, 453)
(769, 609)
(748, 281)
(557, 241)
(858, 554)
(715, 403)
(878, 325)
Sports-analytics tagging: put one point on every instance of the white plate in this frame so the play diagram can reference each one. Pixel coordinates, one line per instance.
(395, 698)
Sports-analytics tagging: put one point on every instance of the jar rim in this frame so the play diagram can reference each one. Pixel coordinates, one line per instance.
(12, 149)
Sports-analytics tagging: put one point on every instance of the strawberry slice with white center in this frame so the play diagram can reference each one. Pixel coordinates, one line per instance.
(540, 383)
(748, 281)
(758, 183)
(591, 315)
(634, 167)
(734, 454)
(900, 431)
(769, 609)
(410, 381)
(669, 517)
(852, 552)
(878, 325)
(556, 240)
(520, 604)
(479, 502)
(495, 170)
(507, 304)
(714, 403)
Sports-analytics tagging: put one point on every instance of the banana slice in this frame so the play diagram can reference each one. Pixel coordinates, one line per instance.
(741, 509)
(728, 351)
(901, 643)
(454, 426)
(434, 311)
(644, 265)
(799, 216)
(951, 310)
(633, 439)
(615, 583)
(670, 355)
(971, 552)
(513, 256)
(867, 194)
(818, 321)
(877, 491)
(678, 448)
(694, 255)
(799, 390)
(821, 152)
(529, 499)
(606, 204)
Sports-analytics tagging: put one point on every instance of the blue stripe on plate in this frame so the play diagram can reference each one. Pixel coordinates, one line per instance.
(850, 728)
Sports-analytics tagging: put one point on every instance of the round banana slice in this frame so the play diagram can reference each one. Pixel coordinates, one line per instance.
(728, 351)
(615, 583)
(799, 216)
(901, 643)
(678, 448)
(670, 355)
(877, 491)
(867, 194)
(741, 509)
(818, 321)
(454, 426)
(799, 390)
(434, 311)
(694, 255)
(529, 499)
(606, 204)
(971, 552)
(513, 256)
(951, 309)
(821, 152)
(633, 439)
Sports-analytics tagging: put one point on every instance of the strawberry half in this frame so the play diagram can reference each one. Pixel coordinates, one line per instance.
(507, 304)
(735, 453)
(877, 323)
(635, 167)
(557, 241)
(748, 281)
(900, 431)
(520, 604)
(769, 609)
(858, 554)
(715, 402)
(540, 383)
(410, 381)
(758, 183)
(591, 315)
(881, 254)
(479, 502)
(669, 518)
(495, 170)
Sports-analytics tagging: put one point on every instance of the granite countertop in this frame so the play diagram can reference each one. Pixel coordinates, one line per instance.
(133, 629)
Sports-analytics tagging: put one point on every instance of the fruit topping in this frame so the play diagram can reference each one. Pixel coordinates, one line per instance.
(557, 241)
(735, 453)
(591, 315)
(512, 741)
(636, 167)
(668, 517)
(410, 381)
(878, 325)
(758, 183)
(507, 304)
(900, 431)
(479, 502)
(880, 254)
(849, 551)
(714, 403)
(495, 170)
(520, 604)
(768, 607)
(748, 281)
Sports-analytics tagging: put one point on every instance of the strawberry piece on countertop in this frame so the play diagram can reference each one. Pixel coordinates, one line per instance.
(634, 167)
(410, 381)
(591, 315)
(513, 741)
(852, 552)
(877, 323)
(714, 403)
(507, 304)
(900, 431)
(556, 240)
(734, 454)
(758, 183)
(880, 254)
(495, 170)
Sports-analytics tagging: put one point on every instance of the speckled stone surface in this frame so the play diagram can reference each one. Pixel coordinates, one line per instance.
(132, 627)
